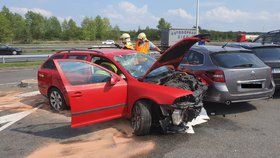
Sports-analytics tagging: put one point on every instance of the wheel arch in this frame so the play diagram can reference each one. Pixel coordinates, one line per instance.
(153, 106)
(64, 97)
(50, 88)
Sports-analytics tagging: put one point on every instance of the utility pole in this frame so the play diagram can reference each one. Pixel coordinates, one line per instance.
(197, 16)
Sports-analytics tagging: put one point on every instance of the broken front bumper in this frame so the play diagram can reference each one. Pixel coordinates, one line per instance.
(182, 120)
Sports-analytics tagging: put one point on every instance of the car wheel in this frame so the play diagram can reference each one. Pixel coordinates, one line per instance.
(141, 119)
(14, 52)
(56, 100)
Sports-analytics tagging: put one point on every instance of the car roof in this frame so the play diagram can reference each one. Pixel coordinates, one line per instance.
(274, 31)
(213, 49)
(103, 52)
(250, 45)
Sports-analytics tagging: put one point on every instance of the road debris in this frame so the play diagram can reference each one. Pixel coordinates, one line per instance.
(27, 82)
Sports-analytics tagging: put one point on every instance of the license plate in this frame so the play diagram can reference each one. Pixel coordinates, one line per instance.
(252, 85)
(276, 70)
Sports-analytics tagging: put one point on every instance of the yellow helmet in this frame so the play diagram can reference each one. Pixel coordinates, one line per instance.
(124, 36)
(142, 36)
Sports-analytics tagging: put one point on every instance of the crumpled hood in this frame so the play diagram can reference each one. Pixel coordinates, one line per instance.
(175, 54)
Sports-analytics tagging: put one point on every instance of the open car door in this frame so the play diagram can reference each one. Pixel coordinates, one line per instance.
(94, 94)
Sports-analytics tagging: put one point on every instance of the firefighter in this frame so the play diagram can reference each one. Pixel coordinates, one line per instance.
(125, 38)
(143, 45)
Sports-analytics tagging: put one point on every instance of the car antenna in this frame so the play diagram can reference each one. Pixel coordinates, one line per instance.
(225, 45)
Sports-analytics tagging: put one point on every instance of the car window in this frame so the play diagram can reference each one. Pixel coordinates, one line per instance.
(3, 46)
(268, 38)
(137, 64)
(49, 64)
(95, 59)
(276, 38)
(57, 56)
(81, 73)
(259, 39)
(268, 53)
(241, 60)
(80, 57)
(112, 67)
(194, 58)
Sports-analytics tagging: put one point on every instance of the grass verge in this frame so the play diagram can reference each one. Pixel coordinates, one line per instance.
(29, 64)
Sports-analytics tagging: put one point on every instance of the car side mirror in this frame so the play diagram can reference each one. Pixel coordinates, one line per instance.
(114, 80)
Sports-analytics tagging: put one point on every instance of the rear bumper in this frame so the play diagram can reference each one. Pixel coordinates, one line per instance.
(219, 93)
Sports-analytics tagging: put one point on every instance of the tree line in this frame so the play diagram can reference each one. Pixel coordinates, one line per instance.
(34, 26)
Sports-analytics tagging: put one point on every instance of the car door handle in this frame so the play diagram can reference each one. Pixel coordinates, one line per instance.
(77, 94)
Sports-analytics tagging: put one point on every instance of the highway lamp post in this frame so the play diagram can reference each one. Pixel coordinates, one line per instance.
(197, 16)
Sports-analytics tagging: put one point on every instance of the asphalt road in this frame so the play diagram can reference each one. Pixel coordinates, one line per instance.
(13, 76)
(240, 130)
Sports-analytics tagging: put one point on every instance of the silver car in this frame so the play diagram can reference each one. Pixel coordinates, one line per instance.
(233, 74)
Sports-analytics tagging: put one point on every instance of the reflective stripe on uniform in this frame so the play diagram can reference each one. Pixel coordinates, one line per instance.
(128, 46)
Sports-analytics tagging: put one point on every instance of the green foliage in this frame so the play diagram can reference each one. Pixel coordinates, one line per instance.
(34, 26)
(6, 34)
(70, 30)
(89, 28)
(53, 29)
(162, 24)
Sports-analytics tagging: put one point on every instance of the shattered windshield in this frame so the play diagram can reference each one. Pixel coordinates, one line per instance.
(137, 64)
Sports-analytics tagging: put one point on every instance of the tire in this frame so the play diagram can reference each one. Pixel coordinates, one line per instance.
(141, 119)
(56, 100)
(14, 52)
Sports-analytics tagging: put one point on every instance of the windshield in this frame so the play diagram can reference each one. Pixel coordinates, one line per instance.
(236, 59)
(137, 64)
(267, 54)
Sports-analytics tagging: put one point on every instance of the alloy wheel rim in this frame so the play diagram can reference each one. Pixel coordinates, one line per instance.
(56, 100)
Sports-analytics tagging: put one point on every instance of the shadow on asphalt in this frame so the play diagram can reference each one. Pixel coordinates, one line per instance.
(223, 109)
(276, 94)
(53, 130)
(64, 131)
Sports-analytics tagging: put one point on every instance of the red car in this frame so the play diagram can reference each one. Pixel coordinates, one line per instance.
(105, 84)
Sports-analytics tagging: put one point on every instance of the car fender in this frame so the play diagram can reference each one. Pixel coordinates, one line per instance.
(159, 94)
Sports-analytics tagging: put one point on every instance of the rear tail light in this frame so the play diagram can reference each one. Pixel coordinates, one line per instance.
(216, 76)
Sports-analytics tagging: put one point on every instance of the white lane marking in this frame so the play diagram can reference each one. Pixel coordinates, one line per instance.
(29, 94)
(13, 118)
(12, 83)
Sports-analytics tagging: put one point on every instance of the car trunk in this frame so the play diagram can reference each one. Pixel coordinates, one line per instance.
(243, 71)
(247, 79)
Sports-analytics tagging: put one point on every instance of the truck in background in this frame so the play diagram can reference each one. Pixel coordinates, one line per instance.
(246, 38)
(171, 36)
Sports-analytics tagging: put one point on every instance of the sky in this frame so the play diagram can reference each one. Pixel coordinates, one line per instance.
(221, 15)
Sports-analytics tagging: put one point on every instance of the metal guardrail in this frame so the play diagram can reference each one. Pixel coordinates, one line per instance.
(25, 58)
(15, 58)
